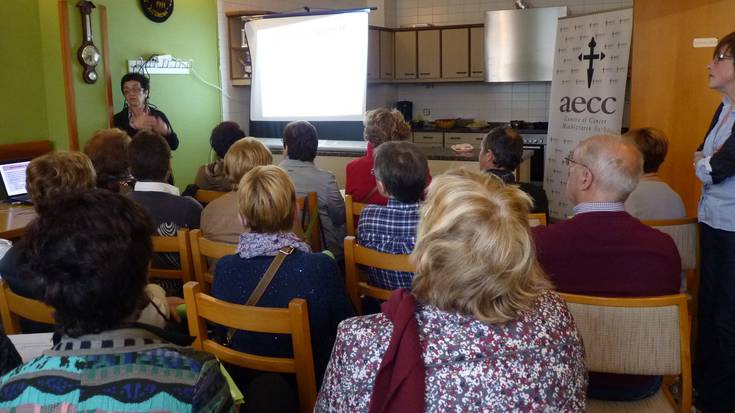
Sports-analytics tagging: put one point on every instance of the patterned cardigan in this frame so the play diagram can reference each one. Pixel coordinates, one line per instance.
(532, 364)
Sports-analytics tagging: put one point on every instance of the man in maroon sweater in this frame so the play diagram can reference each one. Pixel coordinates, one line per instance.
(604, 250)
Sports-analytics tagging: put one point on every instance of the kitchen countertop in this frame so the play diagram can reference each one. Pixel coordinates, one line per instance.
(358, 148)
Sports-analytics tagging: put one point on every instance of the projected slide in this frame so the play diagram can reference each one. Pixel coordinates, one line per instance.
(309, 67)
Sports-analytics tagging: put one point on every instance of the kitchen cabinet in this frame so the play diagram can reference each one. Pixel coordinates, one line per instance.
(373, 58)
(477, 52)
(454, 138)
(386, 55)
(405, 52)
(455, 53)
(429, 54)
(429, 139)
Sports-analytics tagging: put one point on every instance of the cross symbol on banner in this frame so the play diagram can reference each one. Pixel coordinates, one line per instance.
(591, 57)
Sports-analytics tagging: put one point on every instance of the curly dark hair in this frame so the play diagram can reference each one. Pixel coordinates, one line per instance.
(223, 136)
(89, 254)
(145, 83)
(302, 140)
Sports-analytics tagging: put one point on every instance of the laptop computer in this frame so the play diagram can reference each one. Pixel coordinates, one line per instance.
(13, 181)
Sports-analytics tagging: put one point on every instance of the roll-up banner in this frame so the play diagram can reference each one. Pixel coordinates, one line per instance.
(587, 91)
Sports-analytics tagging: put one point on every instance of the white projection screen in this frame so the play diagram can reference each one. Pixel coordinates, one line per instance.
(309, 67)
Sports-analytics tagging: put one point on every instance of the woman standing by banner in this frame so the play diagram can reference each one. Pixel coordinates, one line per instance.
(714, 161)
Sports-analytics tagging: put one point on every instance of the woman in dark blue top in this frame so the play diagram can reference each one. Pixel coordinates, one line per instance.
(267, 206)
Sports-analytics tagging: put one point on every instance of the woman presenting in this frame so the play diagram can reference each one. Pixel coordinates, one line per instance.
(137, 114)
(714, 163)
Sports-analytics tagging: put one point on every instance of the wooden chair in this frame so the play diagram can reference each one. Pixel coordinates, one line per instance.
(14, 306)
(685, 233)
(293, 320)
(310, 221)
(167, 245)
(648, 336)
(205, 196)
(356, 279)
(203, 252)
(352, 213)
(536, 219)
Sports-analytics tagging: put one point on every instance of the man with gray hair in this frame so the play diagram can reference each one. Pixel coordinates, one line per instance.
(605, 251)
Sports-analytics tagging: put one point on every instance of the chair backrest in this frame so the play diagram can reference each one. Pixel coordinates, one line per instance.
(205, 196)
(203, 252)
(293, 320)
(13, 306)
(647, 335)
(310, 220)
(178, 244)
(352, 213)
(685, 233)
(355, 278)
(536, 219)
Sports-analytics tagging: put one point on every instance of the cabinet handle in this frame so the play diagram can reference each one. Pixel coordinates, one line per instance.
(388, 74)
(453, 138)
(477, 72)
(409, 74)
(461, 73)
(425, 74)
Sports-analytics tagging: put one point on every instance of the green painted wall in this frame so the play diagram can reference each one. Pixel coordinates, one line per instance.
(23, 105)
(192, 107)
(34, 104)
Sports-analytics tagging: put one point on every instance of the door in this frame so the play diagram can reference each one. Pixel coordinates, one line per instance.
(477, 52)
(429, 54)
(405, 55)
(373, 60)
(386, 55)
(455, 53)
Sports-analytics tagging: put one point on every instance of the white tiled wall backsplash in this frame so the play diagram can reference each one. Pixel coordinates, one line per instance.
(489, 101)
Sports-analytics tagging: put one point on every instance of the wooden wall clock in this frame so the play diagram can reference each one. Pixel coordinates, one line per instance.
(88, 54)
(157, 10)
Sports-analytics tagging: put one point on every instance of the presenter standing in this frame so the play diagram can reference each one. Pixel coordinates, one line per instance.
(714, 163)
(137, 114)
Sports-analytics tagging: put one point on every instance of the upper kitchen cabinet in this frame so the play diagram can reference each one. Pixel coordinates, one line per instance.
(386, 55)
(405, 54)
(429, 54)
(455, 51)
(477, 52)
(373, 59)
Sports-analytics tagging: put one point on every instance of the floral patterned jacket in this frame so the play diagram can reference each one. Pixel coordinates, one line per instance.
(532, 364)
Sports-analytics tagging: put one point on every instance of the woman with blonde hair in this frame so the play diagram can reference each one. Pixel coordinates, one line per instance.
(480, 329)
(220, 218)
(381, 125)
(267, 205)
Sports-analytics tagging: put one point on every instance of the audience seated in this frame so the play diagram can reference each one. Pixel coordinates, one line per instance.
(401, 170)
(90, 252)
(500, 154)
(267, 204)
(150, 163)
(47, 178)
(221, 217)
(479, 331)
(381, 125)
(605, 251)
(300, 141)
(212, 176)
(652, 199)
(108, 150)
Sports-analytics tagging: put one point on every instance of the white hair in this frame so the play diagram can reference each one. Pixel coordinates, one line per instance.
(616, 164)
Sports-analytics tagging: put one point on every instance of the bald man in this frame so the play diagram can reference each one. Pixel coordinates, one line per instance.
(604, 250)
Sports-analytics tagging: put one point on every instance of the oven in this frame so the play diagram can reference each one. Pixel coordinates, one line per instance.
(532, 166)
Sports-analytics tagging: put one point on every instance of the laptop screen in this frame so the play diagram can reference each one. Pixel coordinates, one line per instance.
(14, 177)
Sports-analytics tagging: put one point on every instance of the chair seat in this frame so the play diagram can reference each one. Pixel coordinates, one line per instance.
(656, 403)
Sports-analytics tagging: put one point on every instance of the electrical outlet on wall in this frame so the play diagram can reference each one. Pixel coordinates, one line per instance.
(426, 111)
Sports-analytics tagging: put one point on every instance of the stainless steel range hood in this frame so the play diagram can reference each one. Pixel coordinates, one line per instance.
(519, 44)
